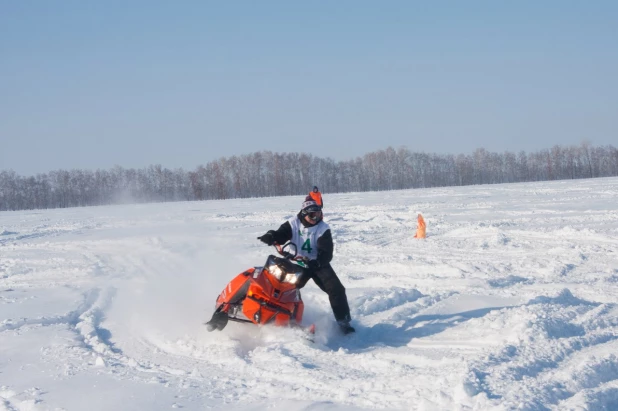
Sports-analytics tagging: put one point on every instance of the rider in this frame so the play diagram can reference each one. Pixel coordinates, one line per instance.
(313, 238)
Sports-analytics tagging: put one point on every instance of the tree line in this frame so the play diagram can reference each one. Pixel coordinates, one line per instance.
(265, 173)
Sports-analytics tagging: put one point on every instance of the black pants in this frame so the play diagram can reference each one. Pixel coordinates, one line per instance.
(327, 280)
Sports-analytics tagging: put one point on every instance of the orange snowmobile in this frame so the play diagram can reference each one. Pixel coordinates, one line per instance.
(264, 295)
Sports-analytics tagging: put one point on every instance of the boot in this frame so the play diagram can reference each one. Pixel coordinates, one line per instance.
(345, 327)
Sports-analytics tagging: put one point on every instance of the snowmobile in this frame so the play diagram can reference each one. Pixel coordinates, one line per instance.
(264, 295)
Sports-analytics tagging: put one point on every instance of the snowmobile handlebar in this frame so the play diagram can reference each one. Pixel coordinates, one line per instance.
(283, 250)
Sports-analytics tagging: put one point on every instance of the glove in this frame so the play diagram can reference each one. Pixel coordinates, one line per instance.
(313, 265)
(268, 238)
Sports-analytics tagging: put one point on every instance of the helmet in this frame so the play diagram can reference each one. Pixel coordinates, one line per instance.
(309, 205)
(312, 210)
(315, 188)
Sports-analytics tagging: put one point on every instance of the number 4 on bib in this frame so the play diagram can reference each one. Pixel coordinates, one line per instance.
(307, 246)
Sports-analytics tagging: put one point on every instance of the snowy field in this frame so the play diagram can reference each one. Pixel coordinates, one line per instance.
(510, 303)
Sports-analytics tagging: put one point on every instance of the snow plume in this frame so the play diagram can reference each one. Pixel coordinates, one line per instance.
(173, 293)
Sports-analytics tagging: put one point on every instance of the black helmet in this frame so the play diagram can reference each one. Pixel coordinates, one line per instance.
(315, 188)
(312, 210)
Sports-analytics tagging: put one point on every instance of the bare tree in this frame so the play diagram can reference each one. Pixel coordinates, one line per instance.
(274, 174)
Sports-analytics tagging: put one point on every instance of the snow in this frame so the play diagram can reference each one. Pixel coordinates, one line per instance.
(510, 303)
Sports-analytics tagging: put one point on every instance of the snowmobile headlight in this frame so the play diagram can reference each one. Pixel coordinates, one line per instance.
(291, 278)
(276, 271)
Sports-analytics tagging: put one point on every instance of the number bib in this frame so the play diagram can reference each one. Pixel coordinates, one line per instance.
(306, 238)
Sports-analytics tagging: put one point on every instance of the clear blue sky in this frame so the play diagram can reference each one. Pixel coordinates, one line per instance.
(92, 84)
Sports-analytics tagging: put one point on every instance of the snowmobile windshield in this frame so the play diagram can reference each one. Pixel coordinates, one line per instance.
(284, 270)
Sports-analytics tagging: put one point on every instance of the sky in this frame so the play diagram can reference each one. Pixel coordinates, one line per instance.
(510, 303)
(90, 84)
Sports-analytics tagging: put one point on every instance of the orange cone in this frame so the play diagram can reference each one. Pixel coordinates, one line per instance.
(421, 230)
